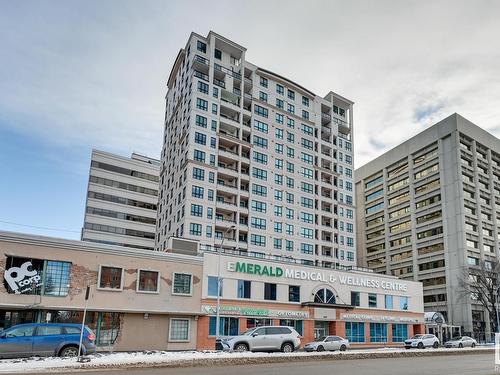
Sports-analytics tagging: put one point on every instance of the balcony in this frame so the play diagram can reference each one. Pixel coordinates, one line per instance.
(201, 63)
(325, 118)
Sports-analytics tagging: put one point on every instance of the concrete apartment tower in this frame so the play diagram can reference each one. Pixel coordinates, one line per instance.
(122, 198)
(430, 208)
(255, 158)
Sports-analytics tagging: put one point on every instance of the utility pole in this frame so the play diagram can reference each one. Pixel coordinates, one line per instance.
(87, 293)
(218, 345)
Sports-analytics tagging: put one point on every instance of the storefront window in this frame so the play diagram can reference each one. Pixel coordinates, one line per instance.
(378, 332)
(182, 283)
(179, 330)
(37, 276)
(251, 322)
(355, 332)
(399, 332)
(12, 318)
(227, 326)
(110, 277)
(297, 324)
(148, 281)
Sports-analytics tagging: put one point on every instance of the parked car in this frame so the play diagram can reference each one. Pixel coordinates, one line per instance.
(269, 338)
(461, 342)
(327, 343)
(50, 339)
(422, 341)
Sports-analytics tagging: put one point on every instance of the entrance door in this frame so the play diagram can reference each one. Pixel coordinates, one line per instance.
(320, 329)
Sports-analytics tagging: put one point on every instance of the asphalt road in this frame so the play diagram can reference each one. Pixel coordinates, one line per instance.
(477, 364)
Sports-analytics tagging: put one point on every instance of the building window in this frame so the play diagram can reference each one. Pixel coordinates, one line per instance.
(110, 278)
(148, 281)
(179, 330)
(227, 326)
(244, 289)
(218, 54)
(198, 174)
(263, 82)
(399, 332)
(182, 284)
(201, 104)
(403, 303)
(325, 295)
(372, 300)
(280, 89)
(196, 210)
(389, 302)
(56, 278)
(378, 332)
(212, 286)
(270, 292)
(355, 332)
(200, 46)
(355, 299)
(294, 293)
(195, 229)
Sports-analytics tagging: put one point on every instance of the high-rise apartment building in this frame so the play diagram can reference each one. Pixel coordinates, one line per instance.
(429, 209)
(255, 158)
(122, 198)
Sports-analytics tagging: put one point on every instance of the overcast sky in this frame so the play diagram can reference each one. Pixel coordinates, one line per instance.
(81, 74)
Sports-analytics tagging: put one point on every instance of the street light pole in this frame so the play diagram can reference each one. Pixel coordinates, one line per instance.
(496, 309)
(218, 345)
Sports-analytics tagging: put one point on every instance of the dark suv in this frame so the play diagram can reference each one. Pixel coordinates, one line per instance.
(50, 339)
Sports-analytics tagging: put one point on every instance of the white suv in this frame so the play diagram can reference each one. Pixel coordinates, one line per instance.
(422, 341)
(269, 338)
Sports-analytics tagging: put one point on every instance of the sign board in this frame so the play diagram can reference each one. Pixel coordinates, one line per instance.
(381, 318)
(252, 311)
(313, 275)
(22, 279)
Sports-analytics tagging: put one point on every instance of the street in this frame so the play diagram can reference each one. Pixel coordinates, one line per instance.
(438, 365)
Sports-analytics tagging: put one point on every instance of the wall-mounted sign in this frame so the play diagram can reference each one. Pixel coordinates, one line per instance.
(22, 279)
(252, 311)
(381, 318)
(289, 273)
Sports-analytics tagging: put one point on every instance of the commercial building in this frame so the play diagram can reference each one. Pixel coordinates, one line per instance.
(367, 308)
(429, 209)
(255, 159)
(139, 299)
(122, 199)
(144, 300)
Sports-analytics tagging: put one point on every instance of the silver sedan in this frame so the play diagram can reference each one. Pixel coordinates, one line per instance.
(327, 343)
(461, 342)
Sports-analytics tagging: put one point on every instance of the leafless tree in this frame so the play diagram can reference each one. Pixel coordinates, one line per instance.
(481, 284)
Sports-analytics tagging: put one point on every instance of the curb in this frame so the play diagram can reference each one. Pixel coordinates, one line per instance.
(213, 362)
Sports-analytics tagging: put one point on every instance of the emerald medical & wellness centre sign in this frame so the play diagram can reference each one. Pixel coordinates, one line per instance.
(312, 275)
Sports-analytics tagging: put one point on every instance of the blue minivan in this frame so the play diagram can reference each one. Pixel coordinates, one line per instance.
(45, 339)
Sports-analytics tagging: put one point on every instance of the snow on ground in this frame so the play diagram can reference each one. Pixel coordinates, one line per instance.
(145, 358)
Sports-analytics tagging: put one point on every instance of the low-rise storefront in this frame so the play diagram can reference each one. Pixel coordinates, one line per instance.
(139, 299)
(367, 308)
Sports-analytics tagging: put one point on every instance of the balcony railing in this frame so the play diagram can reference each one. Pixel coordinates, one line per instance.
(201, 75)
(223, 69)
(200, 59)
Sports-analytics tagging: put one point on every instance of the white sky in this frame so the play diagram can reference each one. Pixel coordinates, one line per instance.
(94, 73)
